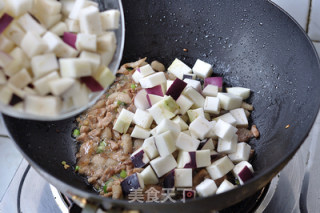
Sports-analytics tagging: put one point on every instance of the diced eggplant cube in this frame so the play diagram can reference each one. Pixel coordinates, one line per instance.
(44, 64)
(194, 113)
(6, 94)
(184, 104)
(244, 93)
(245, 169)
(123, 121)
(150, 148)
(60, 86)
(206, 188)
(139, 132)
(46, 106)
(15, 33)
(28, 23)
(240, 116)
(193, 83)
(162, 165)
(195, 96)
(212, 105)
(186, 142)
(245, 174)
(210, 90)
(187, 159)
(168, 125)
(176, 88)
(137, 76)
(107, 44)
(42, 84)
(212, 133)
(200, 127)
(153, 80)
(153, 99)
(165, 143)
(220, 168)
(148, 176)
(20, 79)
(206, 144)
(90, 22)
(110, 19)
(183, 177)
(86, 42)
(227, 146)
(178, 68)
(203, 158)
(166, 108)
(104, 76)
(229, 101)
(18, 8)
(142, 118)
(32, 44)
(132, 182)
(242, 153)
(228, 117)
(225, 186)
(93, 58)
(74, 67)
(3, 78)
(225, 130)
(59, 29)
(139, 158)
(146, 70)
(6, 44)
(169, 180)
(183, 125)
(141, 101)
(202, 69)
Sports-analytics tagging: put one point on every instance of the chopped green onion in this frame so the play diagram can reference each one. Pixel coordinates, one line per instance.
(105, 187)
(133, 86)
(120, 103)
(101, 147)
(76, 133)
(129, 68)
(237, 181)
(107, 95)
(123, 174)
(77, 169)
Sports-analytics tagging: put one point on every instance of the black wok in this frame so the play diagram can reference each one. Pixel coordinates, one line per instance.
(251, 43)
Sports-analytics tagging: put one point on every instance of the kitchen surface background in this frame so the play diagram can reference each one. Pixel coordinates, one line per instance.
(304, 179)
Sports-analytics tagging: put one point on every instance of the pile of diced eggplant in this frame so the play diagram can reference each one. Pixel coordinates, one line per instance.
(188, 115)
(54, 54)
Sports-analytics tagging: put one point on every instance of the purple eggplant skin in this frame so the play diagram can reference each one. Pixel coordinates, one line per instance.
(186, 76)
(129, 183)
(176, 88)
(192, 163)
(245, 174)
(168, 181)
(137, 159)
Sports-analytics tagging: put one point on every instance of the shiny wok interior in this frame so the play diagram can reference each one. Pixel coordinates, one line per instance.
(251, 43)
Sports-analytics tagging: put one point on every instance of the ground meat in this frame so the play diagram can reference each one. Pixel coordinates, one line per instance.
(156, 65)
(116, 191)
(255, 131)
(244, 135)
(126, 143)
(199, 177)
